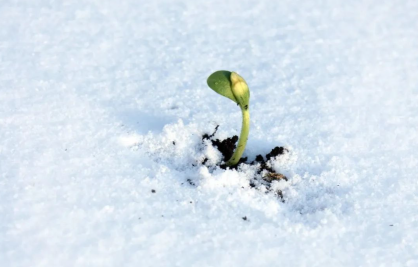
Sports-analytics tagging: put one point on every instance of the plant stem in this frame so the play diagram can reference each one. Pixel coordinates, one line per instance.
(242, 142)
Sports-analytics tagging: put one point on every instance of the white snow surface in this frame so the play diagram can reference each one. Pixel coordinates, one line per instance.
(94, 93)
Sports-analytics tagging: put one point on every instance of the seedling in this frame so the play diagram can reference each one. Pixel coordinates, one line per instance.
(231, 85)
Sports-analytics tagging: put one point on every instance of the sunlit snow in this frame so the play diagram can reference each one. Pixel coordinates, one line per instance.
(103, 105)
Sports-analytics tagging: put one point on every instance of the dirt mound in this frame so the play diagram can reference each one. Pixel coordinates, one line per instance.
(227, 146)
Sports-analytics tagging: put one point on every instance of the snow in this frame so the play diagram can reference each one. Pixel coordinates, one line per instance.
(94, 93)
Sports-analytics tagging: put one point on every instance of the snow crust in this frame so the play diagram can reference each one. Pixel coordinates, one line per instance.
(103, 105)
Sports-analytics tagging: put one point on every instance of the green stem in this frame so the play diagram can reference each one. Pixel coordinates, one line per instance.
(245, 130)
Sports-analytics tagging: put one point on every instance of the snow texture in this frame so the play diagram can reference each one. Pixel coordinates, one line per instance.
(102, 108)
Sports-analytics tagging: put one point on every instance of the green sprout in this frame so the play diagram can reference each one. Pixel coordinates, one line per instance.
(231, 85)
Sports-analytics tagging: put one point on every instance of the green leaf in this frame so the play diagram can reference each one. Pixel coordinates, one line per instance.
(220, 82)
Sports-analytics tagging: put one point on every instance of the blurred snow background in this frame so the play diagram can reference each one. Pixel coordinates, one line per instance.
(93, 94)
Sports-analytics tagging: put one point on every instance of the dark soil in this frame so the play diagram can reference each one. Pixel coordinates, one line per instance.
(227, 147)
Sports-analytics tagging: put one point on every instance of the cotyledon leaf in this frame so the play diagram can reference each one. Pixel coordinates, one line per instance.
(240, 90)
(220, 82)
